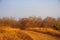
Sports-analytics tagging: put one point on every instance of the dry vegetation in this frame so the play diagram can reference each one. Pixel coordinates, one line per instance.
(8, 33)
(48, 31)
(11, 29)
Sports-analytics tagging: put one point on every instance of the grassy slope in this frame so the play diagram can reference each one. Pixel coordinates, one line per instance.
(8, 33)
(40, 36)
(48, 31)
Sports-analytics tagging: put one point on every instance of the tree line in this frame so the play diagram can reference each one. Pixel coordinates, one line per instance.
(31, 22)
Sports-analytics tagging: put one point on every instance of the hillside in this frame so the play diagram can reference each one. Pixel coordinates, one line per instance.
(8, 33)
(31, 28)
(40, 36)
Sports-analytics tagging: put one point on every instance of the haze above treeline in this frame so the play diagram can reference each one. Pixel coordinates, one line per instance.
(25, 8)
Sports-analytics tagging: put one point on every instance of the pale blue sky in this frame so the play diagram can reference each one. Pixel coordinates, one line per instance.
(25, 8)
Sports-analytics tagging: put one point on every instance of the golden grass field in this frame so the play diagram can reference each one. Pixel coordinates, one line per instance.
(8, 33)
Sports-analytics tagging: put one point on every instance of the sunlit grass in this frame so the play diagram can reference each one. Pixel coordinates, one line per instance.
(49, 31)
(8, 33)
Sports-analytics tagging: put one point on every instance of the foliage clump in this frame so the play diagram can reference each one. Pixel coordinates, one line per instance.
(31, 22)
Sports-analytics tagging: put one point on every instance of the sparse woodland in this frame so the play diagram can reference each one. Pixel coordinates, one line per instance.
(31, 22)
(12, 29)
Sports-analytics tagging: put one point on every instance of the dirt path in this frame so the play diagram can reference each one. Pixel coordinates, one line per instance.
(40, 36)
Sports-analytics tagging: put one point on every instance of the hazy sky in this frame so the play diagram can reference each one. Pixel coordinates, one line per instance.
(25, 8)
